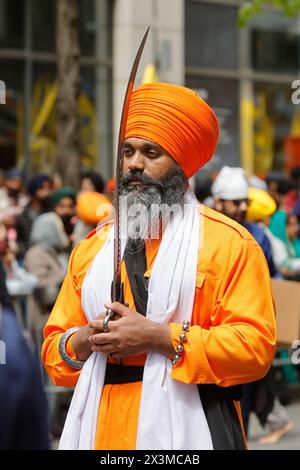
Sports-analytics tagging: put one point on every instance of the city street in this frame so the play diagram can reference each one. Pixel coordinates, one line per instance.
(291, 441)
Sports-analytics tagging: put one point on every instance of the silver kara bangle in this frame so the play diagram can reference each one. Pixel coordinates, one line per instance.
(63, 352)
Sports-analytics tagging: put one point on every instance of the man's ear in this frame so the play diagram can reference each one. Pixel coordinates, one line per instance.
(218, 205)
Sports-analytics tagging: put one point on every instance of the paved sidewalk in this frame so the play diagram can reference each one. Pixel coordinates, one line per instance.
(290, 441)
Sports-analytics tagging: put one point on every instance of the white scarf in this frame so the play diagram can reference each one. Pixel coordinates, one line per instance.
(171, 414)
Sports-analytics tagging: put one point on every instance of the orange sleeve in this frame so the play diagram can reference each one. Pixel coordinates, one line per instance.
(239, 343)
(67, 312)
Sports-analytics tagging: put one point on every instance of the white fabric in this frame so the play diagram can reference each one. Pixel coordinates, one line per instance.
(230, 184)
(171, 414)
(255, 182)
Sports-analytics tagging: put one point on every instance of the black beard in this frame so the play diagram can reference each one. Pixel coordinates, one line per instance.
(68, 226)
(167, 191)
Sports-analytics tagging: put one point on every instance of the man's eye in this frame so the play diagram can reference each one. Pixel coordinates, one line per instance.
(127, 151)
(152, 153)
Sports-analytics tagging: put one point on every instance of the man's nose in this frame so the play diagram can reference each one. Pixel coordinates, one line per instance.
(137, 162)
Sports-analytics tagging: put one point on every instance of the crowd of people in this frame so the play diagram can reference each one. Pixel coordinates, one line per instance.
(39, 225)
(40, 222)
(270, 211)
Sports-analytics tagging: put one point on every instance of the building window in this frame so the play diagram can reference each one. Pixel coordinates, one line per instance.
(12, 113)
(29, 72)
(276, 128)
(223, 97)
(246, 75)
(211, 36)
(275, 43)
(212, 67)
(12, 23)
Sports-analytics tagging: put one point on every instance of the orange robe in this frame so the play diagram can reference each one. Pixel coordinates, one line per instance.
(232, 335)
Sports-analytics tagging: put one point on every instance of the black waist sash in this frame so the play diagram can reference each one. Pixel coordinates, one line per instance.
(119, 374)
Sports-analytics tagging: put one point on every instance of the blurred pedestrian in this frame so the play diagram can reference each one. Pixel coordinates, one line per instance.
(23, 406)
(12, 196)
(63, 203)
(285, 227)
(92, 182)
(231, 197)
(47, 257)
(39, 189)
(279, 187)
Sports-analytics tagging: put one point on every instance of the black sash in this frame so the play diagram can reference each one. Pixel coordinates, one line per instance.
(119, 374)
(136, 266)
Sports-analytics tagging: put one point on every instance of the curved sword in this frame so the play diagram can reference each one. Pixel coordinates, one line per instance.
(117, 289)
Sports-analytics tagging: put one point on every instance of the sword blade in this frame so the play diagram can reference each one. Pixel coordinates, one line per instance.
(116, 291)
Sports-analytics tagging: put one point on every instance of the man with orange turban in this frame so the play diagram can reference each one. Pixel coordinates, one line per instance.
(164, 372)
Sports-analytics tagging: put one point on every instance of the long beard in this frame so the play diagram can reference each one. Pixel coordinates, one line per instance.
(146, 209)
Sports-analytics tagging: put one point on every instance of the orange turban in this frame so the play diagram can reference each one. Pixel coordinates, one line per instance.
(178, 120)
(93, 207)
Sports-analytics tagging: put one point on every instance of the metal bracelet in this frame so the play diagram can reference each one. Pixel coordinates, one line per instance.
(63, 352)
(180, 347)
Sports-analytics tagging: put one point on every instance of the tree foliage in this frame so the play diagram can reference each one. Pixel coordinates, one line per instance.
(254, 7)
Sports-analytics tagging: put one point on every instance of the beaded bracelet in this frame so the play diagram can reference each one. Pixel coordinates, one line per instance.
(180, 347)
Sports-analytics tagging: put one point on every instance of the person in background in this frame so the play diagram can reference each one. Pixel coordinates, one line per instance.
(18, 281)
(279, 187)
(47, 257)
(293, 196)
(285, 228)
(23, 405)
(39, 189)
(92, 182)
(296, 210)
(63, 203)
(261, 208)
(12, 197)
(231, 195)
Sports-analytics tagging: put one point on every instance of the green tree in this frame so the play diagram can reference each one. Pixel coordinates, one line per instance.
(254, 7)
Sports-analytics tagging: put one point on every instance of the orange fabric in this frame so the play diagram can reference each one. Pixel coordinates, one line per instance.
(93, 207)
(231, 340)
(178, 120)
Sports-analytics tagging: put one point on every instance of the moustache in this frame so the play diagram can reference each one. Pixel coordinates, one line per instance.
(138, 176)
